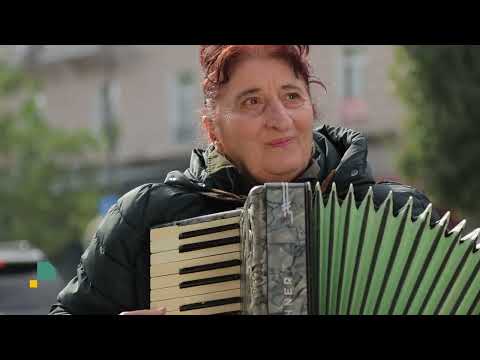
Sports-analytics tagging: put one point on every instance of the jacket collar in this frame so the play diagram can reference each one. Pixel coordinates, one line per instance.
(339, 149)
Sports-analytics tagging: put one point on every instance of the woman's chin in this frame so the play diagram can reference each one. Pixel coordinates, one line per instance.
(282, 174)
(285, 165)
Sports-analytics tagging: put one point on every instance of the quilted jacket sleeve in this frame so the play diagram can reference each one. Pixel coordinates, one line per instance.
(106, 275)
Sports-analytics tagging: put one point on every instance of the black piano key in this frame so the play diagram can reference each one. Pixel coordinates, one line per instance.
(209, 281)
(230, 313)
(207, 267)
(209, 244)
(211, 303)
(212, 230)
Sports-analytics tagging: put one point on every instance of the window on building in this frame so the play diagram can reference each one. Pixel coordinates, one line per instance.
(353, 61)
(352, 85)
(184, 119)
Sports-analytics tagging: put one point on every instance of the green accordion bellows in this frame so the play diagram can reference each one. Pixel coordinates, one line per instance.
(303, 253)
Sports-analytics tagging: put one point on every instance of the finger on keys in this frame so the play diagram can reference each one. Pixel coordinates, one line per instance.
(159, 311)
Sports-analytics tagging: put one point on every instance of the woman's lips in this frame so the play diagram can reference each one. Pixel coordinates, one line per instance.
(281, 142)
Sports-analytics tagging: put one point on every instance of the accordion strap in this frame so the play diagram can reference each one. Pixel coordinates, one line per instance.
(224, 195)
(327, 183)
(231, 197)
(228, 196)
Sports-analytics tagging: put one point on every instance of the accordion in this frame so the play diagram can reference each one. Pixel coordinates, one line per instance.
(293, 250)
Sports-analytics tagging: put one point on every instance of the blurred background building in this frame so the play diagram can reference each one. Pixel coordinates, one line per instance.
(153, 94)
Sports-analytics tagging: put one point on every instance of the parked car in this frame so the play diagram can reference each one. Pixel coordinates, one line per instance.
(18, 265)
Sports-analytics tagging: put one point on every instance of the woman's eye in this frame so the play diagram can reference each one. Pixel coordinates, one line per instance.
(251, 101)
(294, 99)
(293, 96)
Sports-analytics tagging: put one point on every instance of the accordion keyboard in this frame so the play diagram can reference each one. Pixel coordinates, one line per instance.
(195, 267)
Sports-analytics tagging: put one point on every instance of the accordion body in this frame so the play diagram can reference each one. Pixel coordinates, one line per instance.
(292, 250)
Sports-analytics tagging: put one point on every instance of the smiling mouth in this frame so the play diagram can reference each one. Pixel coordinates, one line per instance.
(280, 142)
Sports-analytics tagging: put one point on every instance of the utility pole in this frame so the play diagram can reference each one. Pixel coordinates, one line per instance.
(109, 128)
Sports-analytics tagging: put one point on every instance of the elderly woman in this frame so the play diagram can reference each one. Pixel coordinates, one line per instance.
(259, 118)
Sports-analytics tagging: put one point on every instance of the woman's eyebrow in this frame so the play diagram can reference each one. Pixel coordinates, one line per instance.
(247, 92)
(291, 87)
(256, 90)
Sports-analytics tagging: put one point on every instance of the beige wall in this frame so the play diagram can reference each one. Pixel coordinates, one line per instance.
(145, 79)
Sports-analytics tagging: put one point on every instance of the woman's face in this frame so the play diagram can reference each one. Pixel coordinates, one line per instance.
(263, 120)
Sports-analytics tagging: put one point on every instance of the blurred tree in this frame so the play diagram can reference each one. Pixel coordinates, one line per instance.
(43, 198)
(441, 87)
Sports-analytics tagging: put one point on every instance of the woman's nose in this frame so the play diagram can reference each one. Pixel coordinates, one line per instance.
(277, 116)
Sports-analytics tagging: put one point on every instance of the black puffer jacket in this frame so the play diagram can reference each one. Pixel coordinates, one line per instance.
(113, 274)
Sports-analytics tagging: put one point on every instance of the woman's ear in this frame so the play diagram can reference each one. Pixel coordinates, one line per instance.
(212, 132)
(209, 128)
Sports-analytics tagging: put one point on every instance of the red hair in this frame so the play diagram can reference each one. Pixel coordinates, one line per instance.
(218, 62)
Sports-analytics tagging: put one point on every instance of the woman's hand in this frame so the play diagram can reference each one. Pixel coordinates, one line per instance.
(160, 311)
